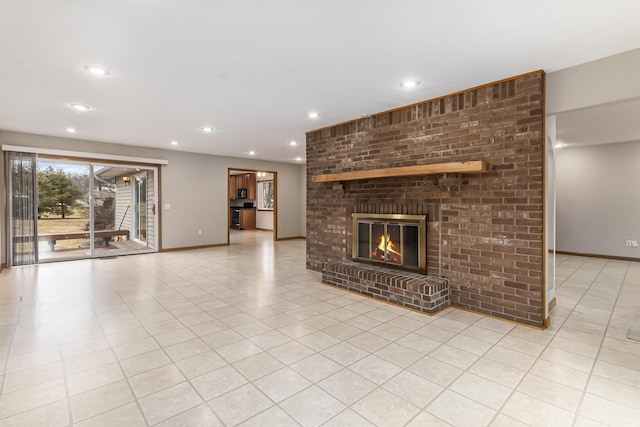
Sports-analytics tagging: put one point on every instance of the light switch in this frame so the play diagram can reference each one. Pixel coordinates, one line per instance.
(167, 206)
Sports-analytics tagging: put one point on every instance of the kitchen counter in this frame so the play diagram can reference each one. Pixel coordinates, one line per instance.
(243, 218)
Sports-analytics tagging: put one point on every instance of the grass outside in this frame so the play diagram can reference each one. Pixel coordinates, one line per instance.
(77, 221)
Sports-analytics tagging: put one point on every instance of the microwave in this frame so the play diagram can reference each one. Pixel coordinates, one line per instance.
(242, 193)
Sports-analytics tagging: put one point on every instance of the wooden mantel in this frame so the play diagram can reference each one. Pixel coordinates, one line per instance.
(476, 166)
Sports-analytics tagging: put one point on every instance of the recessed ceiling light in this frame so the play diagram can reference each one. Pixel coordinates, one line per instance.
(252, 153)
(299, 159)
(206, 129)
(174, 142)
(96, 70)
(314, 115)
(71, 130)
(80, 107)
(559, 145)
(410, 84)
(293, 143)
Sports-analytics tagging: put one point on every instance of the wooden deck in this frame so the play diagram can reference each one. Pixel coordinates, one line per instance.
(52, 238)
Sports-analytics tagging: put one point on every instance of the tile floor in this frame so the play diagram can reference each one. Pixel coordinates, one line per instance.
(245, 335)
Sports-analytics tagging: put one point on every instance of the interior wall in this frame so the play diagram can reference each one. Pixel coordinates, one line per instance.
(550, 210)
(597, 204)
(603, 81)
(195, 185)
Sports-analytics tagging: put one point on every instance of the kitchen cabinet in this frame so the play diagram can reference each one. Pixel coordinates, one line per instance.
(233, 188)
(245, 180)
(248, 219)
(243, 218)
(251, 187)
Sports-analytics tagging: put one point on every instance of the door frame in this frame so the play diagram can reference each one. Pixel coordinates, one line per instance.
(92, 162)
(275, 199)
(136, 211)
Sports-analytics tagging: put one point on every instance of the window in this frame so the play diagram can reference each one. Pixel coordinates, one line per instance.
(265, 195)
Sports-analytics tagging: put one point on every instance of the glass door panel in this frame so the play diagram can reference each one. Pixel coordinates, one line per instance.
(140, 207)
(120, 210)
(64, 224)
(22, 209)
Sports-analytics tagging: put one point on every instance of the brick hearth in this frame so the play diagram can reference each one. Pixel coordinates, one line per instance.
(412, 290)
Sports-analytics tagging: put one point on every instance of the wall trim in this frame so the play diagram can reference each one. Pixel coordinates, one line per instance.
(291, 238)
(619, 258)
(188, 248)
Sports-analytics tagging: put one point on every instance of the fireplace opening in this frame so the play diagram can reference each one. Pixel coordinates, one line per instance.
(395, 240)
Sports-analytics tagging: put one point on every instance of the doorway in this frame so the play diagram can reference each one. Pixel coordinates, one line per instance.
(252, 203)
(61, 209)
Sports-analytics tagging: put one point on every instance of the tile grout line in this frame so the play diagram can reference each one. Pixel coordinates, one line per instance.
(244, 290)
(500, 410)
(10, 346)
(604, 335)
(118, 361)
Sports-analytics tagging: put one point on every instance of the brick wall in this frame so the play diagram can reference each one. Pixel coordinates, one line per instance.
(485, 231)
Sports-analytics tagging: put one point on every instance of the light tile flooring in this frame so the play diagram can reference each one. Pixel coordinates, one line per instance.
(245, 335)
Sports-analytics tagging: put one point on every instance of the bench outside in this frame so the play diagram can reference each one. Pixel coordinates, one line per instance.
(51, 238)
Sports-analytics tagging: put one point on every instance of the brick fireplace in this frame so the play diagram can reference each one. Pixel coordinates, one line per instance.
(484, 236)
(390, 240)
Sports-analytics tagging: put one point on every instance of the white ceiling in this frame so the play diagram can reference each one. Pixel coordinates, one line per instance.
(254, 69)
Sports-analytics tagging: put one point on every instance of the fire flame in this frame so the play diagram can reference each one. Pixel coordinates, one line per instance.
(386, 243)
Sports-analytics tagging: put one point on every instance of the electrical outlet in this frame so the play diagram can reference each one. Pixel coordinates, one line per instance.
(634, 243)
(628, 243)
(199, 232)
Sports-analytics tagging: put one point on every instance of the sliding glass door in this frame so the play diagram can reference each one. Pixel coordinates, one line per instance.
(23, 232)
(139, 204)
(68, 210)
(64, 212)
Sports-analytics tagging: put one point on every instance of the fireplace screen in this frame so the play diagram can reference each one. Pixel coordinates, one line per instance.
(395, 240)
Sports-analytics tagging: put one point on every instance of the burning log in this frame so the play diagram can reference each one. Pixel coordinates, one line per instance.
(386, 246)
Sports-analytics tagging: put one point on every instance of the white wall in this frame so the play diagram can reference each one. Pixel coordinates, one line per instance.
(595, 201)
(606, 80)
(196, 187)
(550, 211)
(598, 207)
(264, 219)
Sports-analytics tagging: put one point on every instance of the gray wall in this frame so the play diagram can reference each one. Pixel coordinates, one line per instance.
(606, 80)
(598, 207)
(196, 187)
(592, 213)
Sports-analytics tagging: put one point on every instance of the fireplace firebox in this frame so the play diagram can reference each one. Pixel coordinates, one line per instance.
(394, 240)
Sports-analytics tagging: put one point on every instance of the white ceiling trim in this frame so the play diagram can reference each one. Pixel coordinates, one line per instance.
(64, 153)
